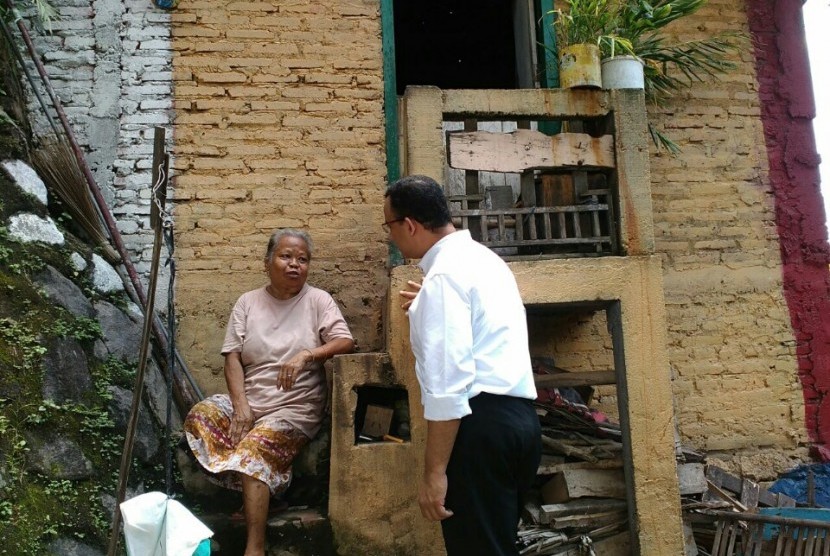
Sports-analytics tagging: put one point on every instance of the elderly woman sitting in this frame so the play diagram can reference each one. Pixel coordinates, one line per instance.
(277, 339)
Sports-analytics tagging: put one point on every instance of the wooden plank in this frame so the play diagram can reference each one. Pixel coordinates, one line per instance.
(734, 484)
(579, 483)
(581, 378)
(556, 190)
(580, 506)
(532, 103)
(377, 421)
(533, 512)
(549, 467)
(569, 449)
(692, 478)
(525, 150)
(583, 521)
(749, 493)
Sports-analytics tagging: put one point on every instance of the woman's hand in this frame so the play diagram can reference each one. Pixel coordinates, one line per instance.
(242, 421)
(410, 294)
(291, 370)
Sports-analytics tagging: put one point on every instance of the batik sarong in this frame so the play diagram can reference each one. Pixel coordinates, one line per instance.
(265, 453)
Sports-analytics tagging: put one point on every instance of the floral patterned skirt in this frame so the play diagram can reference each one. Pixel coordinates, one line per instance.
(265, 453)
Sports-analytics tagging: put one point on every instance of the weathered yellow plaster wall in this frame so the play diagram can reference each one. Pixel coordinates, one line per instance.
(369, 491)
(279, 122)
(731, 346)
(373, 497)
(636, 283)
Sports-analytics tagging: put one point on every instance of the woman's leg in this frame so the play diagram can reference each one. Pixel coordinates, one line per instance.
(255, 496)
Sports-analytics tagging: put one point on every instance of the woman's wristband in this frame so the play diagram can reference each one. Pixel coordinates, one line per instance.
(311, 353)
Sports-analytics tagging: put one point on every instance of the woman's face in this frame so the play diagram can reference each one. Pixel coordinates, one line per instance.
(288, 268)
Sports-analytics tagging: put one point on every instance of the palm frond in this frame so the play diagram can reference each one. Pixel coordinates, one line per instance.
(670, 68)
(661, 141)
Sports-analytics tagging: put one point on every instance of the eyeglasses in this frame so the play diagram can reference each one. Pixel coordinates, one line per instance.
(385, 225)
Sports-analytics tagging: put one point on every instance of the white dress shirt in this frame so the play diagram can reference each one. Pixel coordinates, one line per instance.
(468, 329)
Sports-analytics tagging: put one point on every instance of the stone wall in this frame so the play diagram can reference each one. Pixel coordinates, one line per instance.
(279, 123)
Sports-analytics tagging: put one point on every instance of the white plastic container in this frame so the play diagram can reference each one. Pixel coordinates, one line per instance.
(622, 72)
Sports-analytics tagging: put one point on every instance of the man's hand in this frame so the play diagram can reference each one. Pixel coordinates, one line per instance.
(431, 496)
(242, 421)
(410, 294)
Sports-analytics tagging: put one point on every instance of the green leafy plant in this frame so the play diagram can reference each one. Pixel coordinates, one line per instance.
(671, 66)
(588, 22)
(80, 328)
(638, 27)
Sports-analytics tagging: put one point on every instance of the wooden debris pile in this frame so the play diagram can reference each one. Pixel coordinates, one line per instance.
(706, 491)
(579, 506)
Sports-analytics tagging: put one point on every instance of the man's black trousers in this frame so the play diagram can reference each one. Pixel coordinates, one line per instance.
(493, 463)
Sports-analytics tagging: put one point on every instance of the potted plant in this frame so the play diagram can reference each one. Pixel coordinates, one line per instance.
(582, 29)
(635, 30)
(670, 66)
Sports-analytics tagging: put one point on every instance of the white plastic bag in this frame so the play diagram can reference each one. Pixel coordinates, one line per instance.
(155, 525)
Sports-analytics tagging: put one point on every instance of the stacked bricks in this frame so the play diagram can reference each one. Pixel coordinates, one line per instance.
(279, 124)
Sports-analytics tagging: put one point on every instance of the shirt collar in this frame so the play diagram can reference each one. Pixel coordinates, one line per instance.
(429, 257)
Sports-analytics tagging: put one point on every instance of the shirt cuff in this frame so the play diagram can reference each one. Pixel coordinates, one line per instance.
(446, 407)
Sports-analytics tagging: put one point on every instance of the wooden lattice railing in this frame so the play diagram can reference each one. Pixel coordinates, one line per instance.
(518, 232)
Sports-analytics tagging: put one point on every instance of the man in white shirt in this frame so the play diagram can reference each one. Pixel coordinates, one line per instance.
(469, 335)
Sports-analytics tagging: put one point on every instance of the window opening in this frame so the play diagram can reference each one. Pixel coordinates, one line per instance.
(381, 414)
(457, 44)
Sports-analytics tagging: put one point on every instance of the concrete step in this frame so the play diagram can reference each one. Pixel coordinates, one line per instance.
(295, 531)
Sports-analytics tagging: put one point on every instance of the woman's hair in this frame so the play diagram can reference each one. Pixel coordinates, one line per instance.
(419, 198)
(287, 232)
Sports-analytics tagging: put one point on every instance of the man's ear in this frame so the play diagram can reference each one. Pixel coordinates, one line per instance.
(411, 225)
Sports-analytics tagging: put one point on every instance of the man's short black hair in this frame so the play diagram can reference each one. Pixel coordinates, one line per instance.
(419, 198)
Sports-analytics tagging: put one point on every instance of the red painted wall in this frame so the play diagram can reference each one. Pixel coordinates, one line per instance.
(787, 110)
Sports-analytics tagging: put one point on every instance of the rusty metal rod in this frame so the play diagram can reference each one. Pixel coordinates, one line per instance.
(9, 37)
(129, 438)
(187, 393)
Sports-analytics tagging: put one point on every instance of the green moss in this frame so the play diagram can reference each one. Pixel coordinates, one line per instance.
(33, 509)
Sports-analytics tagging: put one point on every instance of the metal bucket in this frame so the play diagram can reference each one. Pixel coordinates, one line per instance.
(579, 67)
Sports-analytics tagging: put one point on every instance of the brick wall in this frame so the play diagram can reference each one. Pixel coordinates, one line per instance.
(730, 342)
(109, 63)
(787, 116)
(279, 123)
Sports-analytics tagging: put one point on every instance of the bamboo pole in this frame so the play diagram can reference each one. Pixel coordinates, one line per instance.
(157, 199)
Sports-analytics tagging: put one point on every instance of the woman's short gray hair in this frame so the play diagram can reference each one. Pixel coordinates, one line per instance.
(287, 232)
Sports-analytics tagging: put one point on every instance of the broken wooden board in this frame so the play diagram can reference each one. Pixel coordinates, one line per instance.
(692, 478)
(589, 521)
(736, 485)
(551, 467)
(578, 483)
(525, 149)
(377, 421)
(580, 506)
(576, 378)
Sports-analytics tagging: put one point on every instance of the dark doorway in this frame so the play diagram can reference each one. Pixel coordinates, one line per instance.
(455, 44)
